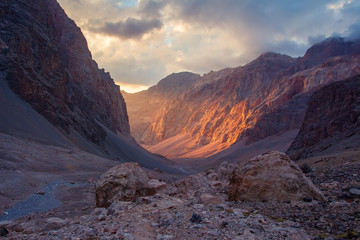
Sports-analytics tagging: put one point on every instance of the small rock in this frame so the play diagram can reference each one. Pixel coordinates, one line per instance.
(199, 206)
(237, 212)
(354, 192)
(5, 223)
(166, 204)
(210, 199)
(54, 223)
(224, 224)
(145, 200)
(332, 186)
(164, 237)
(3, 231)
(305, 168)
(128, 236)
(166, 220)
(156, 185)
(41, 193)
(101, 217)
(215, 183)
(112, 230)
(195, 218)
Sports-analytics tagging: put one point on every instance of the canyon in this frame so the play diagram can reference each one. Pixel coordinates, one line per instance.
(55, 103)
(191, 157)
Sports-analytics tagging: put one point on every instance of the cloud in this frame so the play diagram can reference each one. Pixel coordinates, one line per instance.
(354, 31)
(142, 42)
(130, 28)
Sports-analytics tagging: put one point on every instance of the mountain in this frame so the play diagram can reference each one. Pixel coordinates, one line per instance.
(332, 121)
(267, 97)
(47, 63)
(63, 121)
(144, 105)
(54, 92)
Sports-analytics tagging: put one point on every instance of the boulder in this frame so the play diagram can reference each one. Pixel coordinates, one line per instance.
(125, 182)
(3, 231)
(224, 170)
(194, 184)
(156, 184)
(271, 177)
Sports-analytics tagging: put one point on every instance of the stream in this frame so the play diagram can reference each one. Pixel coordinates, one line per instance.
(39, 202)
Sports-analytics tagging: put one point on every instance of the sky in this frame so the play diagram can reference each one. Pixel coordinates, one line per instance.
(141, 41)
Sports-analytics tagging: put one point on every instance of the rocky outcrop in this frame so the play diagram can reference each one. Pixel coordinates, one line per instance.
(271, 177)
(332, 121)
(125, 182)
(46, 61)
(266, 97)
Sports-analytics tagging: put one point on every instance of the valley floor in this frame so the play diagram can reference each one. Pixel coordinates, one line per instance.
(164, 216)
(28, 167)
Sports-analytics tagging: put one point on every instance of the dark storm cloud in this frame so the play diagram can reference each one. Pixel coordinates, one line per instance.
(354, 31)
(281, 25)
(130, 28)
(150, 8)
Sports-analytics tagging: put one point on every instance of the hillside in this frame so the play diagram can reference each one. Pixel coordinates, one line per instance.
(265, 98)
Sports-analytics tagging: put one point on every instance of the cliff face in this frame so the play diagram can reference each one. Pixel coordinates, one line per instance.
(46, 61)
(332, 120)
(143, 106)
(263, 98)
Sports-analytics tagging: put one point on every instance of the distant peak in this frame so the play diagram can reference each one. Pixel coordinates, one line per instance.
(330, 40)
(271, 55)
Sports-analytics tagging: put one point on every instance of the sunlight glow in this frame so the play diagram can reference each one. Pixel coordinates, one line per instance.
(131, 88)
(339, 5)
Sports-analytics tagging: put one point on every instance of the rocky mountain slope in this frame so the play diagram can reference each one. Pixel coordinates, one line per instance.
(47, 63)
(45, 60)
(264, 98)
(58, 109)
(332, 121)
(143, 106)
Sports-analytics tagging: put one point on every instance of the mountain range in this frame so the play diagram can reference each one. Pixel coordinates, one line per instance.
(64, 123)
(265, 99)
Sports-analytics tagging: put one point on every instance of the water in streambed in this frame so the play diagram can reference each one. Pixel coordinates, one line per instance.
(42, 201)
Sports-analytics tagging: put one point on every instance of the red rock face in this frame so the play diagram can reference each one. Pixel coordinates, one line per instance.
(332, 121)
(143, 106)
(265, 97)
(48, 64)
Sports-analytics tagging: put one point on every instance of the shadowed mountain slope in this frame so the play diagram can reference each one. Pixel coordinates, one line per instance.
(332, 121)
(62, 97)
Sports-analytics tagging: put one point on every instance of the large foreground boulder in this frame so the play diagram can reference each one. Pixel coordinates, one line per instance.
(271, 177)
(125, 182)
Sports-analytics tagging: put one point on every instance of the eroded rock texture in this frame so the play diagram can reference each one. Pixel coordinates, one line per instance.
(271, 177)
(125, 182)
(47, 63)
(266, 97)
(332, 121)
